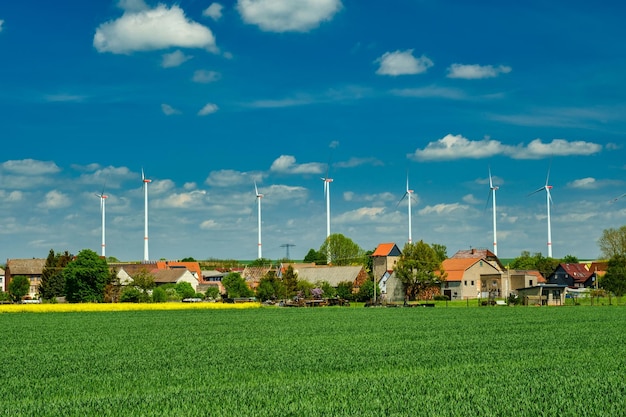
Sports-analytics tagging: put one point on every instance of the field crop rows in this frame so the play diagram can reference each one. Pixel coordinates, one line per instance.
(316, 362)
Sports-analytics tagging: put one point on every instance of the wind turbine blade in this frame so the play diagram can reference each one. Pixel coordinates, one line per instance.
(400, 201)
(617, 198)
(537, 190)
(256, 190)
(488, 199)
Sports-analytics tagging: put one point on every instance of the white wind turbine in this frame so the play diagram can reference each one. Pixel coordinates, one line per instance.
(492, 196)
(145, 181)
(258, 198)
(547, 188)
(409, 196)
(327, 182)
(103, 198)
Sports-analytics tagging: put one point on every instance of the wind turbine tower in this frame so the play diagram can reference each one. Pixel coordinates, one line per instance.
(145, 181)
(103, 198)
(409, 196)
(547, 188)
(492, 194)
(258, 198)
(327, 182)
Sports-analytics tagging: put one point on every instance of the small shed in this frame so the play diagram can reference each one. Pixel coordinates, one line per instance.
(545, 294)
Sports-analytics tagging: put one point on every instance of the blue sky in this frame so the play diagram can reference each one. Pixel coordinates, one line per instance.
(209, 97)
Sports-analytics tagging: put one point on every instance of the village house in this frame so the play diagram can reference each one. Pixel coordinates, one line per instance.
(2, 281)
(31, 268)
(574, 275)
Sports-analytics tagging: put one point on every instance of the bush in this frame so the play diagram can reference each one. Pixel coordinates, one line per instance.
(441, 297)
(130, 295)
(212, 293)
(159, 295)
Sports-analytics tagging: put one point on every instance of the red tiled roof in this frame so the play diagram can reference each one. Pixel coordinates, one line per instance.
(383, 249)
(456, 267)
(580, 272)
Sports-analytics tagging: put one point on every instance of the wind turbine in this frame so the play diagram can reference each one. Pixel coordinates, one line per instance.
(145, 181)
(409, 196)
(327, 182)
(547, 188)
(103, 198)
(492, 196)
(258, 198)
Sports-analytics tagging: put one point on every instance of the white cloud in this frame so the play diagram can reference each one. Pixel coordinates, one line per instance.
(453, 147)
(214, 11)
(174, 59)
(205, 77)
(64, 98)
(287, 15)
(457, 147)
(402, 63)
(474, 72)
(169, 110)
(355, 162)
(152, 29)
(442, 208)
(208, 109)
(431, 91)
(590, 183)
(1, 23)
(228, 178)
(55, 199)
(471, 199)
(287, 164)
(361, 214)
(380, 197)
(209, 225)
(183, 200)
(30, 167)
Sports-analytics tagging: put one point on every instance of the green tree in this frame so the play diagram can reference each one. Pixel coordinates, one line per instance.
(316, 257)
(342, 251)
(536, 262)
(52, 283)
(159, 295)
(570, 259)
(132, 295)
(144, 281)
(419, 268)
(613, 242)
(261, 262)
(188, 259)
(86, 277)
(329, 290)
(441, 251)
(290, 282)
(185, 290)
(366, 291)
(524, 262)
(212, 293)
(344, 290)
(236, 286)
(19, 287)
(270, 287)
(615, 278)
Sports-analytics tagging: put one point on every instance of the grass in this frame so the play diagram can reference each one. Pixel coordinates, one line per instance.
(317, 361)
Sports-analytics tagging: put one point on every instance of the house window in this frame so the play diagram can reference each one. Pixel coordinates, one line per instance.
(472, 283)
(530, 283)
(465, 283)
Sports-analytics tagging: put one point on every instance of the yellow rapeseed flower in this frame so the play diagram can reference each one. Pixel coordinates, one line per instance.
(89, 307)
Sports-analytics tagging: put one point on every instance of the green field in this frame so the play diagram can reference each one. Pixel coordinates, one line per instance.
(559, 361)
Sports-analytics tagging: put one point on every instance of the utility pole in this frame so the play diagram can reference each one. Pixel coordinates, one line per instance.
(287, 246)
